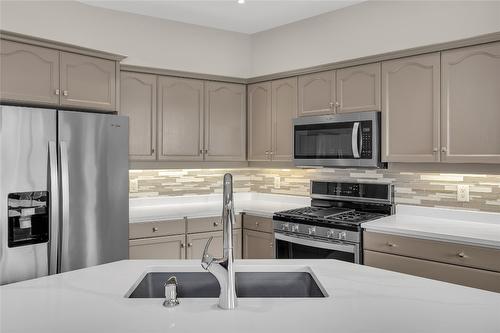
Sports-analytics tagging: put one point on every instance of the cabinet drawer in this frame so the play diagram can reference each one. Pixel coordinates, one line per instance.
(207, 224)
(157, 228)
(258, 223)
(465, 276)
(170, 247)
(446, 252)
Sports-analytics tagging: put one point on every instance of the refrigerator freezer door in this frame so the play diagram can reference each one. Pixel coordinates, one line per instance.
(25, 136)
(93, 163)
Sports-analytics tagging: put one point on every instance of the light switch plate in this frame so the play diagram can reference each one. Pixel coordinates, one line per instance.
(277, 182)
(134, 185)
(463, 193)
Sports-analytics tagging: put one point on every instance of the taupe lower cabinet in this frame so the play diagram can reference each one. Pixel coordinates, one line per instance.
(45, 76)
(181, 239)
(470, 109)
(411, 109)
(258, 237)
(138, 102)
(468, 265)
(352, 89)
(272, 106)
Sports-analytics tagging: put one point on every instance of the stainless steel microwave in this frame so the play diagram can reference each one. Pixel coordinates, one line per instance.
(341, 140)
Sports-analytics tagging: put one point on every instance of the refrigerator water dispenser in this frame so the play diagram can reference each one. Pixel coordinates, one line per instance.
(28, 218)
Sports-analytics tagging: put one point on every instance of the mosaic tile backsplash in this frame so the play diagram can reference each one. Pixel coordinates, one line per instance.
(415, 188)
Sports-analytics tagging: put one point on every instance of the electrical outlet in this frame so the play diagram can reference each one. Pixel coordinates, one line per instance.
(134, 186)
(277, 182)
(463, 193)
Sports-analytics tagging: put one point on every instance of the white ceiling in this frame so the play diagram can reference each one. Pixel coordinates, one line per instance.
(251, 17)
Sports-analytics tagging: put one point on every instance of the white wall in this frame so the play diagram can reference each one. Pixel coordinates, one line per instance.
(370, 28)
(365, 29)
(144, 40)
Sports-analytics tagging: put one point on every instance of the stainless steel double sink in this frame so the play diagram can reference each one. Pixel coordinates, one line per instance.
(248, 284)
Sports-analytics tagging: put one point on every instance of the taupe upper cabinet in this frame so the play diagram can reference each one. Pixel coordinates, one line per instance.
(316, 94)
(87, 82)
(284, 109)
(138, 102)
(358, 88)
(411, 109)
(470, 116)
(225, 121)
(180, 119)
(29, 73)
(259, 121)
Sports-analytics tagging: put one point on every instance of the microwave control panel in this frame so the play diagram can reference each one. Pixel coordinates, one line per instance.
(366, 135)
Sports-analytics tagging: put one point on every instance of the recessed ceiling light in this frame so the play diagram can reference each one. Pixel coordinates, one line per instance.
(241, 2)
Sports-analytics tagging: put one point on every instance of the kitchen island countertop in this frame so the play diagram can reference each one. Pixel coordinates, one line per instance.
(360, 299)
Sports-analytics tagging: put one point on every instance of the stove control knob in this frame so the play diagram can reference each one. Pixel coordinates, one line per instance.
(311, 230)
(295, 227)
(285, 226)
(330, 234)
(342, 235)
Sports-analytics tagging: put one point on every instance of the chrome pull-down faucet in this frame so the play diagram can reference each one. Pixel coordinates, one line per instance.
(222, 268)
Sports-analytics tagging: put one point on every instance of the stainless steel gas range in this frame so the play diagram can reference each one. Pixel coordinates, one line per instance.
(331, 227)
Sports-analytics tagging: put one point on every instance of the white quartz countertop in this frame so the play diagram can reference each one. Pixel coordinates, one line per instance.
(169, 208)
(453, 225)
(360, 299)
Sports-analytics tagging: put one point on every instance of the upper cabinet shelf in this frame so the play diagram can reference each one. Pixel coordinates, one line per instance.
(48, 77)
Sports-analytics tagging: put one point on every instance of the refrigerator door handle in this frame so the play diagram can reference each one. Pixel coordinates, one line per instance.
(54, 208)
(64, 204)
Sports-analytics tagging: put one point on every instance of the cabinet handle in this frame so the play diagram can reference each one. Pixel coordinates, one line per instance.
(390, 244)
(155, 229)
(57, 92)
(65, 92)
(461, 254)
(183, 245)
(190, 244)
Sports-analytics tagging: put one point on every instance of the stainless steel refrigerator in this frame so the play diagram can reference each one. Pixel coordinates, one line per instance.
(63, 191)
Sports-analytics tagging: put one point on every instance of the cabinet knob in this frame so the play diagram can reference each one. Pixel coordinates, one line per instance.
(267, 152)
(270, 244)
(257, 224)
(443, 149)
(152, 150)
(271, 152)
(216, 224)
(461, 254)
(65, 92)
(201, 151)
(337, 104)
(391, 244)
(183, 245)
(190, 244)
(155, 229)
(57, 91)
(206, 151)
(435, 150)
(331, 105)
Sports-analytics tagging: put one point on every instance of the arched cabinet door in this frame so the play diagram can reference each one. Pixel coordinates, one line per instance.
(410, 109)
(88, 82)
(225, 121)
(29, 74)
(470, 109)
(259, 121)
(284, 109)
(358, 89)
(138, 102)
(316, 94)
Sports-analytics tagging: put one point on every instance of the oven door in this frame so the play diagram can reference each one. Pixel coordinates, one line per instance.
(293, 247)
(337, 140)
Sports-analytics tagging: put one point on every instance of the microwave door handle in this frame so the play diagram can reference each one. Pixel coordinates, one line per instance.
(355, 141)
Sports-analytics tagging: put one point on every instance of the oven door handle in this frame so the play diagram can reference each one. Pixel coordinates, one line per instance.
(319, 244)
(355, 140)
